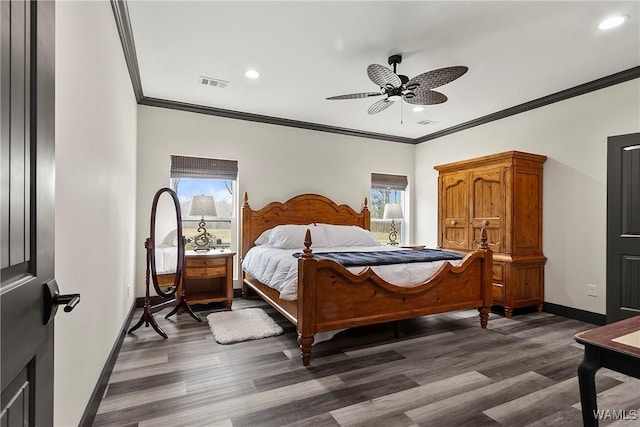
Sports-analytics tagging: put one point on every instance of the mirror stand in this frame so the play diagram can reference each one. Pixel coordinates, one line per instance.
(175, 295)
(181, 302)
(147, 314)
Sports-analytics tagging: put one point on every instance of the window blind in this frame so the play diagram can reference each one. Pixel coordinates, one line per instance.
(393, 182)
(199, 167)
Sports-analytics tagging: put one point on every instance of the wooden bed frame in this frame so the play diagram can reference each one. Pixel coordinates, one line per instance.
(330, 297)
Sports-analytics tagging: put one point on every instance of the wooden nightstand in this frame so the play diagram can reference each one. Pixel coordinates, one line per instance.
(415, 247)
(208, 277)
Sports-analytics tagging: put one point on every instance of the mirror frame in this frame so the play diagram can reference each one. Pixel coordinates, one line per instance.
(181, 242)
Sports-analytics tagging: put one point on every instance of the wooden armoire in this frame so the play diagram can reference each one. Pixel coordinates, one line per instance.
(503, 194)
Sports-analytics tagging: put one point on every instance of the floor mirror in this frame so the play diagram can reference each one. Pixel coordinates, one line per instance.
(165, 248)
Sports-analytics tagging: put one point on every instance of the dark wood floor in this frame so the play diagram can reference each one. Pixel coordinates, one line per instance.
(442, 370)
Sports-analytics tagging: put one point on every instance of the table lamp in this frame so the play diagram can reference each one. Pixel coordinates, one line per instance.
(202, 206)
(392, 211)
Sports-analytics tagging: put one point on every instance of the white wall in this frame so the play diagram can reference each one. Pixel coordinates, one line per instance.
(573, 135)
(95, 198)
(274, 162)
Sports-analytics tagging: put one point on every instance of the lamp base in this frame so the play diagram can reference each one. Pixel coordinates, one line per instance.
(201, 241)
(393, 235)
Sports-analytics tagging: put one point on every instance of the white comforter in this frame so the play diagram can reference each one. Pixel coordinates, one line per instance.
(278, 268)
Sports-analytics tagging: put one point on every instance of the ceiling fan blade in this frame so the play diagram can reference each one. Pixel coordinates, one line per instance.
(425, 97)
(378, 106)
(356, 95)
(435, 78)
(383, 76)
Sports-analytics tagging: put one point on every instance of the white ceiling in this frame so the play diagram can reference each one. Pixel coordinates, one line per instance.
(306, 51)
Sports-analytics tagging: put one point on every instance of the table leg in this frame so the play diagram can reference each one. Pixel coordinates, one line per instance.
(587, 380)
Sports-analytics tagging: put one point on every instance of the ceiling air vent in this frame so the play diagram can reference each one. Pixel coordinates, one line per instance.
(208, 81)
(427, 122)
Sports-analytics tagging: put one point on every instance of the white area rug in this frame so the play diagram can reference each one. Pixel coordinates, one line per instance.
(229, 327)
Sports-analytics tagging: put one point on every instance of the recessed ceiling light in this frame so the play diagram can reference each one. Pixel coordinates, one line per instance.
(612, 21)
(252, 74)
(417, 109)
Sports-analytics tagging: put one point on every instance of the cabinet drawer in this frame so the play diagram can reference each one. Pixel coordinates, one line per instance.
(216, 271)
(498, 273)
(204, 262)
(498, 293)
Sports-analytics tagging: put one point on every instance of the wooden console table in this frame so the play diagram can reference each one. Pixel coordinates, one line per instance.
(208, 277)
(615, 346)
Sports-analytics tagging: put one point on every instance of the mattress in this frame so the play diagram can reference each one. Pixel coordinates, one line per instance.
(278, 268)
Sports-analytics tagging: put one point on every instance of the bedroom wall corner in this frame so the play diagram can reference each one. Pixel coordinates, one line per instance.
(96, 121)
(573, 135)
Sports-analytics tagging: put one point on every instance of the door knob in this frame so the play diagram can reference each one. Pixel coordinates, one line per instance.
(52, 299)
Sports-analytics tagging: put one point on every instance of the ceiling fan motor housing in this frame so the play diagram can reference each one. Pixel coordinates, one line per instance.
(395, 59)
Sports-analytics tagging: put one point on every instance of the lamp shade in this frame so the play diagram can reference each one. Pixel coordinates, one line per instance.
(203, 206)
(392, 211)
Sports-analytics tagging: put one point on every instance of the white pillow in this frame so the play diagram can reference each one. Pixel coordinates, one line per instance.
(263, 238)
(349, 235)
(171, 239)
(291, 236)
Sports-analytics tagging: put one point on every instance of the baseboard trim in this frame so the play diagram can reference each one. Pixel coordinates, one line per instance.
(89, 415)
(575, 313)
(237, 293)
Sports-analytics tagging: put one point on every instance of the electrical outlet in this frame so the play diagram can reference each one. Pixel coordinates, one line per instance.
(592, 290)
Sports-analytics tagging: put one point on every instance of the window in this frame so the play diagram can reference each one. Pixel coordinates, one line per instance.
(387, 189)
(194, 176)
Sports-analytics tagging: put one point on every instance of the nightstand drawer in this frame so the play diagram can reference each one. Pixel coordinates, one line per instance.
(218, 271)
(201, 262)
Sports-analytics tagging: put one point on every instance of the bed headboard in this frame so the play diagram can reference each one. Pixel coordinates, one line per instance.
(302, 209)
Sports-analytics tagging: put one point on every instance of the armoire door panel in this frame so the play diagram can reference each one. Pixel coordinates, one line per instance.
(487, 206)
(455, 238)
(454, 200)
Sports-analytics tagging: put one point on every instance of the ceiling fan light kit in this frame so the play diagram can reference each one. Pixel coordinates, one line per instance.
(396, 87)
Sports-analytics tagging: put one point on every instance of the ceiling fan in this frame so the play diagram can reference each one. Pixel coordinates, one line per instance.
(395, 86)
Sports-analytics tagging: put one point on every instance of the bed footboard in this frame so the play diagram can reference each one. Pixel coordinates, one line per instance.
(347, 300)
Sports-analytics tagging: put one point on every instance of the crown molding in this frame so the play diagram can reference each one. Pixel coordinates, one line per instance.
(231, 114)
(613, 79)
(123, 24)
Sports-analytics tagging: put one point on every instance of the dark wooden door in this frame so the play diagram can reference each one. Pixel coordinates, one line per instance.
(27, 203)
(623, 227)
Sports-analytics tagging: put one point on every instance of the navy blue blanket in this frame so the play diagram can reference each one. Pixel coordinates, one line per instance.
(356, 259)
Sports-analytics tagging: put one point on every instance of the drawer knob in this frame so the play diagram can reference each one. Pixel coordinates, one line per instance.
(485, 223)
(454, 222)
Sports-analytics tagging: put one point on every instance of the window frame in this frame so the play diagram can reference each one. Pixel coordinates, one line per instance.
(392, 183)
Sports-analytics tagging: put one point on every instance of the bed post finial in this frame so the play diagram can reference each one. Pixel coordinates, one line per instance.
(366, 204)
(245, 200)
(483, 239)
(306, 252)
